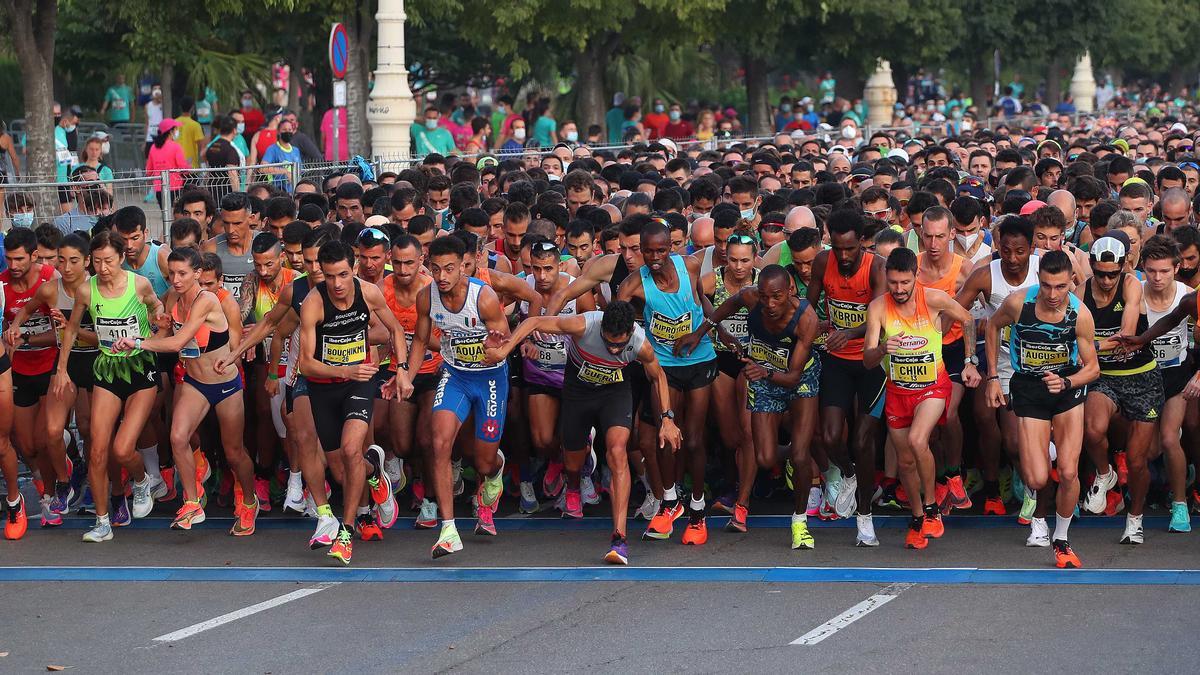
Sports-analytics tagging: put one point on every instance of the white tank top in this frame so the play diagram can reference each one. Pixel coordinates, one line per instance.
(1001, 289)
(463, 332)
(706, 263)
(1170, 349)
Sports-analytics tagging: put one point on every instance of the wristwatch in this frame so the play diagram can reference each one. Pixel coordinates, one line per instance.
(972, 360)
(668, 414)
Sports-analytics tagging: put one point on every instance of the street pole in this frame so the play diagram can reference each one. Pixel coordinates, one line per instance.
(391, 108)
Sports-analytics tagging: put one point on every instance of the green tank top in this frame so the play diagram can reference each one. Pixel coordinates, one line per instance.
(119, 317)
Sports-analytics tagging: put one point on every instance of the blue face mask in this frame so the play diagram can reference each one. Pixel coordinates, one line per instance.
(572, 136)
(674, 115)
(23, 219)
(748, 214)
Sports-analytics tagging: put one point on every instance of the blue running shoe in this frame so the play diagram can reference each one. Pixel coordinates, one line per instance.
(119, 512)
(1181, 520)
(618, 553)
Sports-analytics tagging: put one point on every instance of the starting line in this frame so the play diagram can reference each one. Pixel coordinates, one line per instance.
(884, 575)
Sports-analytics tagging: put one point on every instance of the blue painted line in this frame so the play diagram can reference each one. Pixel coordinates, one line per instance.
(931, 576)
(600, 523)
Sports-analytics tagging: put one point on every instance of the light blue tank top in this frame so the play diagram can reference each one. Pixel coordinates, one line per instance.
(151, 271)
(672, 316)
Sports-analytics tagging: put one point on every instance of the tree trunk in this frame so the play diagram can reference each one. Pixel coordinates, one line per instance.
(360, 29)
(760, 123)
(981, 85)
(168, 80)
(31, 28)
(297, 101)
(590, 65)
(1053, 82)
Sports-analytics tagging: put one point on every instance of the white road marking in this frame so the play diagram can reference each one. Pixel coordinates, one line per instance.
(883, 597)
(195, 629)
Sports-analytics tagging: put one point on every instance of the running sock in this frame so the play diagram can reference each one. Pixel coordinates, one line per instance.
(1061, 525)
(1183, 504)
(102, 520)
(325, 510)
(799, 518)
(669, 494)
(11, 504)
(363, 511)
(916, 522)
(1038, 521)
(448, 527)
(697, 504)
(150, 461)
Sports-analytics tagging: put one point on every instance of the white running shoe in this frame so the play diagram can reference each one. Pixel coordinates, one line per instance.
(814, 501)
(394, 468)
(143, 503)
(648, 509)
(326, 532)
(833, 483)
(866, 532)
(1096, 498)
(295, 493)
(159, 488)
(1133, 530)
(587, 489)
(1039, 533)
(847, 500)
(529, 500)
(101, 532)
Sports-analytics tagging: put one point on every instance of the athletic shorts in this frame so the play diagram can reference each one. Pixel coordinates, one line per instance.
(294, 391)
(639, 386)
(165, 363)
(380, 378)
(532, 389)
(729, 364)
(29, 389)
(901, 404)
(587, 408)
(1175, 379)
(1029, 397)
(694, 376)
(215, 393)
(953, 356)
(1139, 398)
(483, 395)
(125, 376)
(5, 364)
(516, 370)
(79, 369)
(334, 404)
(844, 381)
(764, 397)
(424, 383)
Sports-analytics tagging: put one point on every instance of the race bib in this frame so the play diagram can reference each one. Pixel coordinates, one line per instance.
(467, 351)
(283, 354)
(912, 371)
(1168, 350)
(844, 314)
(600, 375)
(1040, 357)
(771, 358)
(666, 330)
(118, 104)
(344, 350)
(233, 284)
(191, 350)
(109, 330)
(36, 324)
(552, 354)
(738, 328)
(64, 156)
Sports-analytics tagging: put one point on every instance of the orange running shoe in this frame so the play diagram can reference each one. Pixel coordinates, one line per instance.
(203, 470)
(237, 497)
(959, 497)
(191, 513)
(915, 538)
(696, 532)
(994, 506)
(1122, 465)
(168, 475)
(243, 524)
(941, 497)
(737, 520)
(661, 525)
(1064, 557)
(15, 522)
(367, 528)
(343, 546)
(932, 527)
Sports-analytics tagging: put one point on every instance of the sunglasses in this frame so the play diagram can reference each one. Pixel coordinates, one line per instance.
(617, 346)
(744, 238)
(771, 228)
(881, 214)
(372, 236)
(544, 247)
(1106, 275)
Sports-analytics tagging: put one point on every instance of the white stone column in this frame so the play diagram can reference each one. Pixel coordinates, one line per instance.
(390, 108)
(1083, 85)
(880, 95)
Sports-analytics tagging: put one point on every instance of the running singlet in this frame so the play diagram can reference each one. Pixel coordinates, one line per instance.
(463, 331)
(672, 316)
(770, 350)
(265, 301)
(28, 359)
(1108, 324)
(818, 343)
(1170, 349)
(300, 289)
(234, 268)
(1037, 347)
(548, 368)
(342, 335)
(590, 364)
(65, 304)
(150, 270)
(119, 317)
(736, 324)
(947, 285)
(918, 363)
(846, 300)
(205, 340)
(407, 318)
(1001, 289)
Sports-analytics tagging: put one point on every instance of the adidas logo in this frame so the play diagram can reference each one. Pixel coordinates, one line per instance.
(1118, 307)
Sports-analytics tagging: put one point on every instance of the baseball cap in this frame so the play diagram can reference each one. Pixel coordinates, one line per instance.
(1031, 206)
(898, 152)
(167, 125)
(1112, 247)
(486, 161)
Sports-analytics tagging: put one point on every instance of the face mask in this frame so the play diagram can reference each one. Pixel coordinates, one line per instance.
(966, 241)
(785, 108)
(104, 148)
(69, 129)
(674, 115)
(1070, 231)
(431, 124)
(23, 219)
(241, 127)
(175, 134)
(247, 102)
(501, 109)
(967, 125)
(848, 132)
(519, 134)
(572, 136)
(697, 215)
(285, 136)
(748, 214)
(659, 108)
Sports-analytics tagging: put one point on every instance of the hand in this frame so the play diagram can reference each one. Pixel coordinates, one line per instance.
(729, 340)
(529, 350)
(494, 355)
(402, 384)
(271, 386)
(124, 344)
(971, 376)
(995, 395)
(1054, 383)
(224, 362)
(162, 321)
(61, 384)
(1192, 391)
(58, 317)
(836, 340)
(1128, 343)
(362, 372)
(754, 372)
(12, 336)
(893, 343)
(685, 344)
(669, 435)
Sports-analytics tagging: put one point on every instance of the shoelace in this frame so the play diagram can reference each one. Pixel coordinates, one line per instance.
(344, 536)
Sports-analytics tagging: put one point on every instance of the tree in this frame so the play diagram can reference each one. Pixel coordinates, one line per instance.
(32, 25)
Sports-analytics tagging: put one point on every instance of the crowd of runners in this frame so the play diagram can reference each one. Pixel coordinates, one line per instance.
(1001, 318)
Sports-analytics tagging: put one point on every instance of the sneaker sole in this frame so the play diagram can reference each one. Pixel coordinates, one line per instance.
(656, 536)
(1037, 544)
(802, 547)
(314, 544)
(425, 526)
(867, 544)
(441, 552)
(614, 558)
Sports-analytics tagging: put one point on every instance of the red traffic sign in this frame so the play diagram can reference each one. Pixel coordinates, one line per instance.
(339, 51)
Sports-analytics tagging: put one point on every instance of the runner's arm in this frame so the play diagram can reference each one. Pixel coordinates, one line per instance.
(595, 271)
(668, 431)
(198, 314)
(268, 325)
(1184, 310)
(378, 306)
(1005, 315)
(44, 297)
(61, 379)
(1085, 338)
(285, 327)
(873, 349)
(557, 325)
(514, 287)
(247, 295)
(416, 351)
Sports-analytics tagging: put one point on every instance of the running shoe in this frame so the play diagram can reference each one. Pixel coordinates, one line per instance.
(188, 515)
(663, 523)
(1006, 481)
(168, 476)
(262, 492)
(737, 520)
(101, 531)
(377, 479)
(15, 521)
(573, 505)
(814, 501)
(960, 498)
(941, 498)
(887, 496)
(901, 496)
(294, 500)
(326, 532)
(833, 483)
(866, 531)
(485, 524)
(553, 482)
(826, 512)
(529, 501)
(587, 490)
(994, 506)
(448, 543)
(1064, 557)
(973, 482)
(368, 529)
(49, 518)
(725, 504)
(143, 503)
(203, 468)
(394, 468)
(243, 522)
(63, 494)
(618, 551)
(343, 546)
(1039, 533)
(456, 470)
(118, 511)
(648, 509)
(1095, 499)
(1114, 503)
(933, 527)
(1181, 521)
(418, 494)
(915, 538)
(847, 499)
(427, 516)
(159, 490)
(801, 538)
(1028, 505)
(1133, 531)
(491, 487)
(696, 532)
(1122, 466)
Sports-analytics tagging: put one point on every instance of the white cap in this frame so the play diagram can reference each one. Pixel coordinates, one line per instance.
(898, 152)
(1180, 127)
(376, 221)
(838, 148)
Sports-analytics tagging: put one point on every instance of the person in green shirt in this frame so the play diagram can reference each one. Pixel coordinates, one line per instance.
(615, 118)
(118, 102)
(545, 128)
(431, 137)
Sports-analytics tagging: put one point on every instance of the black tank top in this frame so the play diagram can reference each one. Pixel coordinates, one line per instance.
(770, 350)
(342, 336)
(1108, 324)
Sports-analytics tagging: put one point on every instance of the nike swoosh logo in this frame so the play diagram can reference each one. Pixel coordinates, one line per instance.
(228, 391)
(357, 398)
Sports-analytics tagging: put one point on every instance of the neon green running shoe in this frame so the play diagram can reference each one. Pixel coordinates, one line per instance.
(801, 539)
(448, 543)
